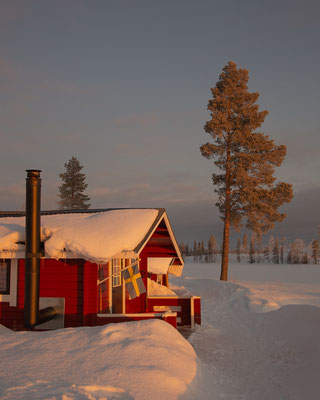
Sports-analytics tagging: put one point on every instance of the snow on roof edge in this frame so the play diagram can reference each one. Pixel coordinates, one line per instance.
(86, 232)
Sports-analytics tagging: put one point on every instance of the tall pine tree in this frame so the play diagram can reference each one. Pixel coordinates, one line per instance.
(72, 187)
(246, 158)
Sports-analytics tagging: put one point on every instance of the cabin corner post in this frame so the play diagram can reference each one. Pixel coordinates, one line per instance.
(32, 248)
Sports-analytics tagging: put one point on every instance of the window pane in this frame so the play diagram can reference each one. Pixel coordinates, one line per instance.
(116, 281)
(4, 277)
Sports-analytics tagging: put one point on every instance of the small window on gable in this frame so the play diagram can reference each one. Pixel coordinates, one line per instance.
(4, 276)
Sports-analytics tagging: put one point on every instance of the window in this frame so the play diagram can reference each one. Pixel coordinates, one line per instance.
(116, 274)
(4, 276)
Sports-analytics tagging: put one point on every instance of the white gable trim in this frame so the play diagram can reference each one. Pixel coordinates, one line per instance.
(175, 244)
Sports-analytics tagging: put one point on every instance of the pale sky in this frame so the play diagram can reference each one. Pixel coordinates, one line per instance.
(124, 86)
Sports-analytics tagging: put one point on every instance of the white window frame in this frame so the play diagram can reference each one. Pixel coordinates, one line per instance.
(11, 298)
(116, 272)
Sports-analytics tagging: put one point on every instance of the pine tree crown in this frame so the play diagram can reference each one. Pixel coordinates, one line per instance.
(247, 158)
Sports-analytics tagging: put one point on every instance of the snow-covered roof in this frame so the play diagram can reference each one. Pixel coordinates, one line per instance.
(94, 235)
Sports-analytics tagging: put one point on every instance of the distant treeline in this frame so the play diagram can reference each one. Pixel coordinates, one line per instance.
(277, 250)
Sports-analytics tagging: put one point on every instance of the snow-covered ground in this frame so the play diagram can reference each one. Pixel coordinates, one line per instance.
(259, 340)
(260, 336)
(134, 360)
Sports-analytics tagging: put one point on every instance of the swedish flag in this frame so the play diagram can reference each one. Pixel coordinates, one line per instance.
(133, 281)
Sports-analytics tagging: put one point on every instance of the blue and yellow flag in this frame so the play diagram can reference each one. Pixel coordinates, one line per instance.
(133, 281)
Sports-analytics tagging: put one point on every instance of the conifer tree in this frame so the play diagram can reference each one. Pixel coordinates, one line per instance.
(305, 258)
(282, 249)
(212, 242)
(72, 187)
(252, 250)
(203, 250)
(245, 243)
(195, 252)
(259, 242)
(298, 249)
(289, 255)
(246, 158)
(266, 253)
(275, 251)
(238, 250)
(210, 251)
(315, 250)
(199, 252)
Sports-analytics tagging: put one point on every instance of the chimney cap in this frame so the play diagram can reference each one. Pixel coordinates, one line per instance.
(33, 173)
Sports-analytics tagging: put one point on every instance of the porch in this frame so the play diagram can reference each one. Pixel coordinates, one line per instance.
(187, 308)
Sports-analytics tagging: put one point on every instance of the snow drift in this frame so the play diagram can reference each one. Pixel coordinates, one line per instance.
(133, 360)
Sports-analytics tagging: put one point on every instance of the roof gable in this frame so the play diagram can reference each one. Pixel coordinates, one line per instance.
(162, 218)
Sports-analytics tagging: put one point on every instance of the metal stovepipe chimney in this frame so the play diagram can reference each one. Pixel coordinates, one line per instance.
(32, 248)
(32, 315)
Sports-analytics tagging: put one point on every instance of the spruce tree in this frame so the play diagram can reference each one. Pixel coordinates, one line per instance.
(210, 251)
(259, 242)
(252, 252)
(212, 243)
(315, 250)
(199, 252)
(195, 252)
(282, 249)
(245, 243)
(266, 253)
(276, 252)
(72, 187)
(238, 250)
(246, 158)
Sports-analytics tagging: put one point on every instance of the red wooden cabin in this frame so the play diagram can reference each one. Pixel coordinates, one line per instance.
(86, 288)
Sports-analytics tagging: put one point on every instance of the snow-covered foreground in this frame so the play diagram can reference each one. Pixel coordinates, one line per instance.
(260, 340)
(134, 360)
(260, 337)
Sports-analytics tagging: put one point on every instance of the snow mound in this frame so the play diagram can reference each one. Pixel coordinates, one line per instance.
(133, 360)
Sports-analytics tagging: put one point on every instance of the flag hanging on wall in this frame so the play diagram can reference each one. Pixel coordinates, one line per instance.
(133, 281)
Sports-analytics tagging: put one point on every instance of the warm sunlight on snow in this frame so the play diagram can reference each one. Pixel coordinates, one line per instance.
(95, 237)
(259, 340)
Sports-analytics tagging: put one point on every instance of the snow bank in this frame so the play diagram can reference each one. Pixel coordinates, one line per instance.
(96, 237)
(134, 360)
